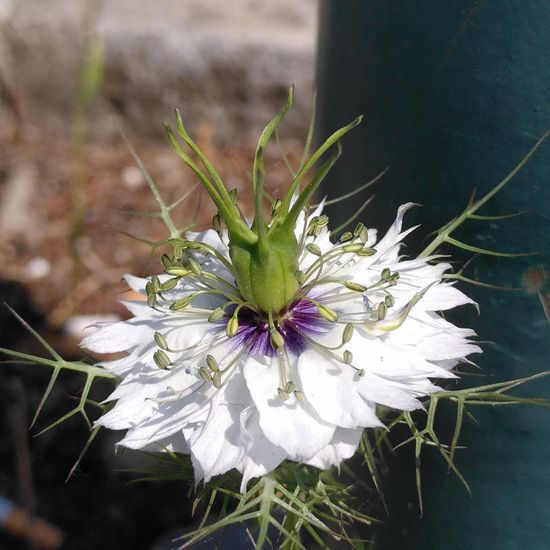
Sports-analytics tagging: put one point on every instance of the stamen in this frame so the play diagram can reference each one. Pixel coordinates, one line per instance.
(161, 359)
(160, 341)
(212, 363)
(346, 236)
(178, 271)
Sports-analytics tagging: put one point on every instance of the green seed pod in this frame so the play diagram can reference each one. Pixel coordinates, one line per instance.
(233, 195)
(151, 300)
(160, 341)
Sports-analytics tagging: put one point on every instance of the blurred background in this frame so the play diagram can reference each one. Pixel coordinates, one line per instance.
(454, 94)
(73, 75)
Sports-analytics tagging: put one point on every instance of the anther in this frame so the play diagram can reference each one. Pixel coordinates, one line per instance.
(347, 333)
(386, 274)
(205, 374)
(212, 363)
(300, 277)
(166, 261)
(178, 242)
(381, 311)
(290, 387)
(322, 221)
(161, 359)
(155, 282)
(217, 223)
(275, 207)
(347, 236)
(389, 300)
(313, 249)
(277, 341)
(216, 315)
(348, 357)
(353, 248)
(217, 380)
(355, 286)
(367, 252)
(182, 303)
(169, 284)
(177, 271)
(299, 395)
(282, 394)
(194, 266)
(232, 327)
(160, 341)
(327, 313)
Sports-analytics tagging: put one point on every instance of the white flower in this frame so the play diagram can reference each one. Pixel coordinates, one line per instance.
(363, 330)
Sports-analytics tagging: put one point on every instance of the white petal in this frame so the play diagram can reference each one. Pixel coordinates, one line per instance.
(332, 390)
(443, 297)
(262, 456)
(343, 446)
(218, 445)
(116, 337)
(292, 425)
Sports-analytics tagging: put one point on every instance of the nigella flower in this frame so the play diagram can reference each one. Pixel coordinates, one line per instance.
(268, 342)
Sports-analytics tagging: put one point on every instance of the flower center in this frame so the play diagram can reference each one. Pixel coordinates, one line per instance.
(299, 320)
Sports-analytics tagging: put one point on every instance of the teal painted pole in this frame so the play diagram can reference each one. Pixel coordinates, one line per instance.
(454, 95)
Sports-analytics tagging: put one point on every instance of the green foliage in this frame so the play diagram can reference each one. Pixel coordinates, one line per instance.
(444, 234)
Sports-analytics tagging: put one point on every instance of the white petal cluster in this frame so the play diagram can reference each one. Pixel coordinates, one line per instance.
(243, 423)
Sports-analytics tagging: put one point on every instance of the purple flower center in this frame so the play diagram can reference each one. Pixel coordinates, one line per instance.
(300, 320)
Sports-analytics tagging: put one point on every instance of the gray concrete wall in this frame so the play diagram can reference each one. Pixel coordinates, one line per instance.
(228, 63)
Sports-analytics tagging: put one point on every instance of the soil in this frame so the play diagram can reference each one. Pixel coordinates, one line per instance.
(85, 253)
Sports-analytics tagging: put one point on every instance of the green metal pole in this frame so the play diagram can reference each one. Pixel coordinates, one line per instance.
(454, 94)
